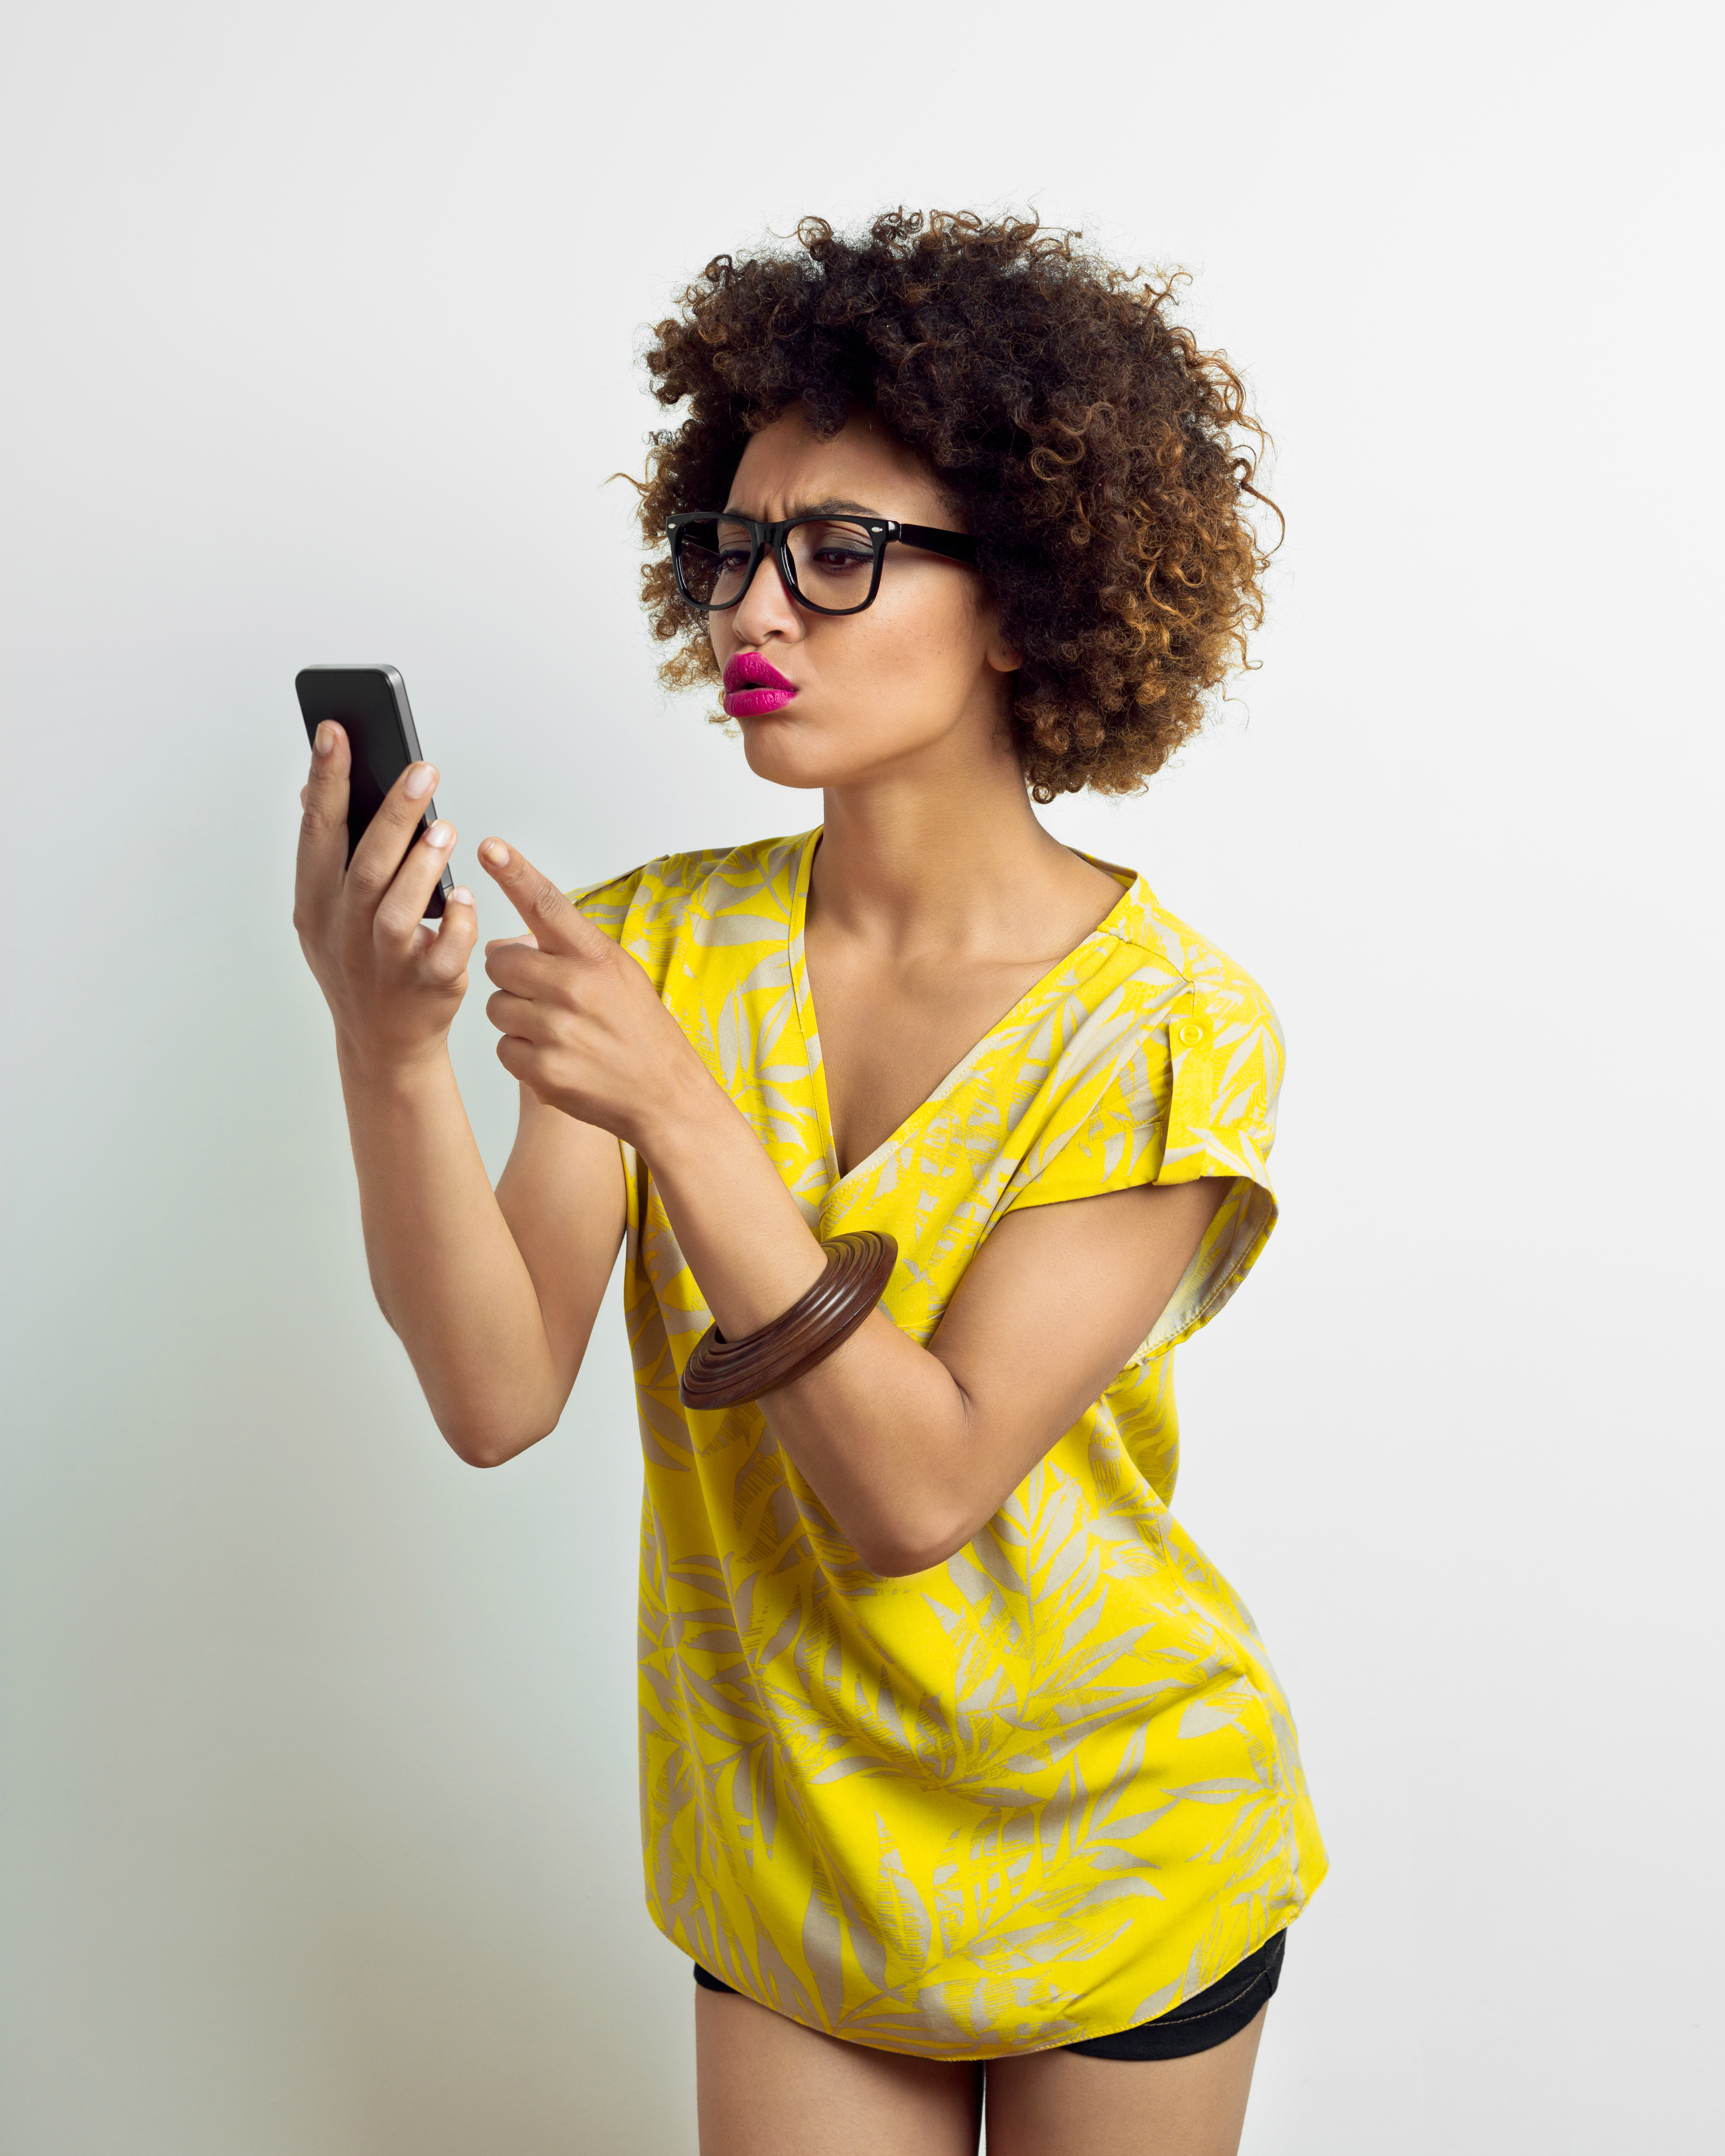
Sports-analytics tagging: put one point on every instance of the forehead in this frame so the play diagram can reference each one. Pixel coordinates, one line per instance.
(788, 466)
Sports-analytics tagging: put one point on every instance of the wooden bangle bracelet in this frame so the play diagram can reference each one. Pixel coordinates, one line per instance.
(722, 1372)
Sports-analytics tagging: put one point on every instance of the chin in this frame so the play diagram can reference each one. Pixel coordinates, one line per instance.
(775, 752)
(799, 753)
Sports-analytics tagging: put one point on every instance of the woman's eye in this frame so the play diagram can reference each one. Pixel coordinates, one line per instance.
(838, 559)
(734, 558)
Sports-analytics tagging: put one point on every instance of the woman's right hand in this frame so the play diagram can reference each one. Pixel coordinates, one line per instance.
(393, 983)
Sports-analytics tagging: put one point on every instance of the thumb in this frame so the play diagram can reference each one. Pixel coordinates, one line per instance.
(553, 922)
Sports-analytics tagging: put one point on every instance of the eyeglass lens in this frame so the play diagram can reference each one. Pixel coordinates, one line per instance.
(832, 561)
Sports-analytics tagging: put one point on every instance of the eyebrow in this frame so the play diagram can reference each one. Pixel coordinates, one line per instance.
(813, 509)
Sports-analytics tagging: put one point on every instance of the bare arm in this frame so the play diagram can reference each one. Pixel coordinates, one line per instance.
(912, 1450)
(493, 1295)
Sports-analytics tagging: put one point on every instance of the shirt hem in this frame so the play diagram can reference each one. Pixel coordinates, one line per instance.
(1280, 1922)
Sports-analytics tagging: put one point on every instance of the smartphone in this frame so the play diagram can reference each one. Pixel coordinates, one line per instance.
(371, 703)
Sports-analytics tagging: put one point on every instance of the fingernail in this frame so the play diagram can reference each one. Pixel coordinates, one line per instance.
(420, 781)
(461, 895)
(439, 836)
(496, 852)
(325, 740)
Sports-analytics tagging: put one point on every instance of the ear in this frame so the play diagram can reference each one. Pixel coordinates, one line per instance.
(1000, 655)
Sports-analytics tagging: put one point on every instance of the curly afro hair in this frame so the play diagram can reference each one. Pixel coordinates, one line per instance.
(1104, 464)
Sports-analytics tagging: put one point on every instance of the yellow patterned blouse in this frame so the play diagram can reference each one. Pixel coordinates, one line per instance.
(1049, 1787)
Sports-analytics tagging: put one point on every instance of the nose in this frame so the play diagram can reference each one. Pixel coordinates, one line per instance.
(767, 608)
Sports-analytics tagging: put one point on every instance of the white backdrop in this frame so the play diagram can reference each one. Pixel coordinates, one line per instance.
(321, 1834)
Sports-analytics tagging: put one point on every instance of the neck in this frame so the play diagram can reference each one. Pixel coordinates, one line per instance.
(956, 858)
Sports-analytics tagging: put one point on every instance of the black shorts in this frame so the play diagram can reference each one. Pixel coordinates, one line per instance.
(1210, 2017)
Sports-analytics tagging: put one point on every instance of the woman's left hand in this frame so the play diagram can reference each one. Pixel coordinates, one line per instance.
(582, 1027)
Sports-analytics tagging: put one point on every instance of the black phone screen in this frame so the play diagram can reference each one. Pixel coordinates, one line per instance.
(371, 703)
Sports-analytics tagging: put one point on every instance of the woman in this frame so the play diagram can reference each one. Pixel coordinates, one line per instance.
(961, 1766)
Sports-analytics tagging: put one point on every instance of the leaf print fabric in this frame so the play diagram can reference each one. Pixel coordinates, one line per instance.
(1048, 1788)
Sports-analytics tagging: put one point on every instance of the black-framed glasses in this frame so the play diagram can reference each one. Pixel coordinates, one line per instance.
(832, 564)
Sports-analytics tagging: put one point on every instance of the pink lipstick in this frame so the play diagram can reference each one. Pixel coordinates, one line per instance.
(752, 688)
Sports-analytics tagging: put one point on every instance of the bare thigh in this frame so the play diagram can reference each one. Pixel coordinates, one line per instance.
(767, 2087)
(1059, 2103)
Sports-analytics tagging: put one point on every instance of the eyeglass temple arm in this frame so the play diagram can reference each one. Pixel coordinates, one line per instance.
(957, 545)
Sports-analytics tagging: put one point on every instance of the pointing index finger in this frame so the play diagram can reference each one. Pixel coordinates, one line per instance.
(554, 923)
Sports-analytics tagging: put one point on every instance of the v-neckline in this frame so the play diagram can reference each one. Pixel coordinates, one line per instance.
(804, 995)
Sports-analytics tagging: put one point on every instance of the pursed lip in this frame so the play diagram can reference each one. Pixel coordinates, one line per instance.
(754, 688)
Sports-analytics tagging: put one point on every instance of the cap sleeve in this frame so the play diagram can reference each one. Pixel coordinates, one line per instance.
(1191, 1094)
(1225, 1060)
(607, 905)
(644, 909)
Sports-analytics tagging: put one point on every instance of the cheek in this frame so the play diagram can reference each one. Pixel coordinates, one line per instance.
(931, 640)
